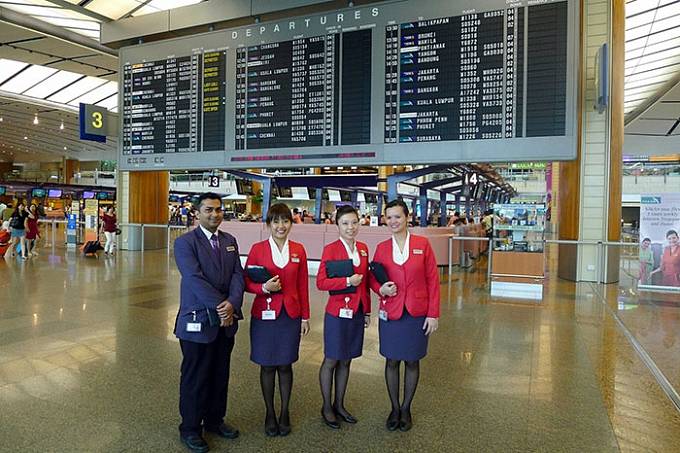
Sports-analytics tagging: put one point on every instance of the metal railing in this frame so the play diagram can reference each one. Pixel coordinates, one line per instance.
(463, 257)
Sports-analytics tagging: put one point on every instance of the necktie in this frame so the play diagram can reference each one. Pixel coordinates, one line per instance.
(215, 245)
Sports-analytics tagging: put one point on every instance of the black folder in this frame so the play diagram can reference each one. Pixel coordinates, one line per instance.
(340, 269)
(379, 272)
(258, 274)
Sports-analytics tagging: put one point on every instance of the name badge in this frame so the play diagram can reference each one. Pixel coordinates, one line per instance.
(363, 253)
(382, 314)
(295, 260)
(346, 313)
(417, 252)
(193, 327)
(268, 315)
(231, 248)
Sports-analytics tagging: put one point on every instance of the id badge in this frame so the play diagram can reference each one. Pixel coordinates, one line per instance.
(346, 313)
(193, 327)
(268, 315)
(382, 315)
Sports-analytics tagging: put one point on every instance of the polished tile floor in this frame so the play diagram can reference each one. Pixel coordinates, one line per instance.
(88, 363)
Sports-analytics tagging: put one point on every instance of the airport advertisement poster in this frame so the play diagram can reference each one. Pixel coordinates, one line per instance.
(659, 242)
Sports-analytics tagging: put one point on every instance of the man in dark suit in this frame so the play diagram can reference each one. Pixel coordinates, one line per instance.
(211, 294)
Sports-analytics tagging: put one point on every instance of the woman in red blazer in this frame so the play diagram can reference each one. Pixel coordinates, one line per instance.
(409, 308)
(347, 314)
(280, 313)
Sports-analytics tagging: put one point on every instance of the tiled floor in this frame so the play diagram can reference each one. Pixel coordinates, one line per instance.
(88, 363)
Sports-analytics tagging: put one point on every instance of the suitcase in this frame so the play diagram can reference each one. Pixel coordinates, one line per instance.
(91, 248)
(4, 242)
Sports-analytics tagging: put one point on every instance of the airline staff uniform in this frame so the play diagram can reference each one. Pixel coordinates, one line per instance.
(343, 331)
(276, 318)
(415, 274)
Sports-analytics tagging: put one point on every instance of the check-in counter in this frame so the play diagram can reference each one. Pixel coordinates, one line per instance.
(315, 237)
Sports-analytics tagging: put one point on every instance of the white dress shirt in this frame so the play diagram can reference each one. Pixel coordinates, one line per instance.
(207, 233)
(353, 254)
(398, 256)
(280, 257)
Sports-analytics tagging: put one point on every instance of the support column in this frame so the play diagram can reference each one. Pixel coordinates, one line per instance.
(70, 167)
(590, 187)
(143, 199)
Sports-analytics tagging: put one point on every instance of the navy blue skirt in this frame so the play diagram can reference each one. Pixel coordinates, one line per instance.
(277, 342)
(343, 339)
(403, 338)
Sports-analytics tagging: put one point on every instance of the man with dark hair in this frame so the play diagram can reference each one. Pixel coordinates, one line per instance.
(211, 294)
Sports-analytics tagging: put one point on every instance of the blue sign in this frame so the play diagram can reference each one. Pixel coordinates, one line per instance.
(72, 222)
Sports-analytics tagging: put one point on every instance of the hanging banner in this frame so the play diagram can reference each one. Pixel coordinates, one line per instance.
(91, 220)
(659, 242)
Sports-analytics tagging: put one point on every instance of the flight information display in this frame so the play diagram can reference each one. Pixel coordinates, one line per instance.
(460, 78)
(294, 94)
(175, 105)
(396, 82)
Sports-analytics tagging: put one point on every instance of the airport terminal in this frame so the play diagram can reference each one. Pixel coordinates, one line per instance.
(325, 226)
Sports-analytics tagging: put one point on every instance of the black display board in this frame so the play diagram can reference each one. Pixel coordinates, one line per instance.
(401, 82)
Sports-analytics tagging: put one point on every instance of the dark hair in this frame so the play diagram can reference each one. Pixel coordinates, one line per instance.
(278, 211)
(206, 196)
(343, 210)
(395, 203)
(295, 210)
(457, 213)
(671, 233)
(109, 208)
(647, 240)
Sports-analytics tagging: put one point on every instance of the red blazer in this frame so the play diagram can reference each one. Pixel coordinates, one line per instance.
(294, 292)
(417, 279)
(336, 251)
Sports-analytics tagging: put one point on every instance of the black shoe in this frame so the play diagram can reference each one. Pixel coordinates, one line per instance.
(392, 422)
(224, 430)
(346, 416)
(195, 443)
(330, 423)
(284, 425)
(405, 421)
(271, 428)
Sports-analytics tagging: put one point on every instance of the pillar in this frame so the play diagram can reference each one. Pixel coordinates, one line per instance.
(70, 168)
(142, 198)
(590, 187)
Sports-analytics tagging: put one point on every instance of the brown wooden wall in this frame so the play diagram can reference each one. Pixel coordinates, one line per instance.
(616, 131)
(149, 192)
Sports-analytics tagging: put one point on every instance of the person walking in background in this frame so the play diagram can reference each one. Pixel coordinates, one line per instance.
(17, 224)
(7, 212)
(211, 294)
(32, 231)
(348, 313)
(280, 313)
(109, 227)
(409, 308)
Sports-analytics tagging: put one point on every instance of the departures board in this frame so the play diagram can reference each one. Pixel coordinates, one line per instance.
(405, 82)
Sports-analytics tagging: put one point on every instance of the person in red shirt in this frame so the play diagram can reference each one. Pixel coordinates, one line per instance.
(32, 231)
(409, 308)
(109, 226)
(280, 313)
(347, 315)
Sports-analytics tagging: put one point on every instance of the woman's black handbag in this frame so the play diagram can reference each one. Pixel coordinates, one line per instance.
(118, 231)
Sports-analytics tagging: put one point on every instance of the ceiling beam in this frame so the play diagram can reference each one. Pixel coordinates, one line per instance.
(44, 28)
(79, 9)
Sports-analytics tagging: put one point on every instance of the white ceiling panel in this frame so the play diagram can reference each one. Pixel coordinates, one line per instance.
(53, 84)
(76, 90)
(96, 95)
(113, 9)
(664, 110)
(27, 79)
(654, 127)
(9, 67)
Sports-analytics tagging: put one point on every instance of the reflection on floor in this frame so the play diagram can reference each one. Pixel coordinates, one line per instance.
(88, 363)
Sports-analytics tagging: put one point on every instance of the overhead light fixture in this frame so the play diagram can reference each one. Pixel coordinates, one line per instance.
(65, 148)
(1, 119)
(25, 138)
(35, 120)
(61, 126)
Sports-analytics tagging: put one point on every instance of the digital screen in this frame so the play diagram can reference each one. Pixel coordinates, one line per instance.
(288, 94)
(38, 193)
(244, 187)
(392, 83)
(3, 190)
(54, 193)
(87, 195)
(102, 196)
(462, 77)
(285, 192)
(175, 105)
